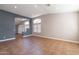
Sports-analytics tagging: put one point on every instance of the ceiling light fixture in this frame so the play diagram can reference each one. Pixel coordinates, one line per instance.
(15, 6)
(35, 6)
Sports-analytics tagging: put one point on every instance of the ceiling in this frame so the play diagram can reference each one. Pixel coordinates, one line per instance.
(20, 20)
(34, 10)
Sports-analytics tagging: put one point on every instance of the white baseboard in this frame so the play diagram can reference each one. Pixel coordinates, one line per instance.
(27, 35)
(7, 39)
(57, 39)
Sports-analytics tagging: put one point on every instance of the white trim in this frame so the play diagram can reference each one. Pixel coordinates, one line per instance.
(7, 39)
(27, 35)
(57, 39)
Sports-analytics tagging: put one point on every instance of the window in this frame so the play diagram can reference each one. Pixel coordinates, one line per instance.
(26, 25)
(37, 25)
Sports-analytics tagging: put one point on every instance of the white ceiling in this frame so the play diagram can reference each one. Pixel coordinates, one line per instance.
(19, 20)
(34, 10)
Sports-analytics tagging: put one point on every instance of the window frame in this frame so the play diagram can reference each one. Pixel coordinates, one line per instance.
(37, 24)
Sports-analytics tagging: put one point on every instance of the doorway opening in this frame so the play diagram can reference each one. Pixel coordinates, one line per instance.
(22, 26)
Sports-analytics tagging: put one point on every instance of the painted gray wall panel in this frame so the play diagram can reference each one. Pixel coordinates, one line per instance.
(7, 25)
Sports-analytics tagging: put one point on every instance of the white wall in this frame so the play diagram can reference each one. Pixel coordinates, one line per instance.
(21, 28)
(62, 26)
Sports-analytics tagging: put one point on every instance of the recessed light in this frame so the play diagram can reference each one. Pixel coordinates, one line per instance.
(36, 6)
(15, 6)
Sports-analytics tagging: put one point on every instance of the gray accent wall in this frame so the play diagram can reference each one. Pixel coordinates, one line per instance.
(7, 25)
